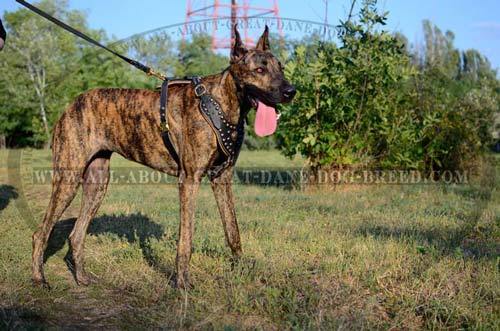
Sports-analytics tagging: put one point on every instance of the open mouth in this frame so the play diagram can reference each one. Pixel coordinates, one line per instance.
(255, 102)
(266, 119)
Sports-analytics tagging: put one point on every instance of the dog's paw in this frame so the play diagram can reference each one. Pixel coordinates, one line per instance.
(182, 283)
(40, 283)
(85, 279)
(235, 259)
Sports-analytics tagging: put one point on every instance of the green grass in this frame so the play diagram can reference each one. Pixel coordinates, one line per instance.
(351, 258)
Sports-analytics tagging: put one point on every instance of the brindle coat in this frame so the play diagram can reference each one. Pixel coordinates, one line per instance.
(126, 121)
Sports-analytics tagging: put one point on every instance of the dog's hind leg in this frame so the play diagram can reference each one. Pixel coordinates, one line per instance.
(65, 184)
(222, 187)
(95, 183)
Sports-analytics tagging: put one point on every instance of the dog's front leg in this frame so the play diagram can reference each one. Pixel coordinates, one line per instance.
(223, 191)
(188, 188)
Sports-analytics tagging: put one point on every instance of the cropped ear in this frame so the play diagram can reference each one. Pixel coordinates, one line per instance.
(263, 43)
(238, 50)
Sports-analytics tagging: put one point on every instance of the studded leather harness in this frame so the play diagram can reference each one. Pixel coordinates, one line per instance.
(229, 136)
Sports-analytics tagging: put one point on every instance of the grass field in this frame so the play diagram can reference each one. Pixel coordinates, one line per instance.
(374, 257)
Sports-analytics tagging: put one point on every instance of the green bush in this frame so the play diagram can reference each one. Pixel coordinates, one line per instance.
(372, 102)
(348, 108)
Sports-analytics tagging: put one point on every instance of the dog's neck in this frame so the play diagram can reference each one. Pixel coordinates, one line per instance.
(225, 88)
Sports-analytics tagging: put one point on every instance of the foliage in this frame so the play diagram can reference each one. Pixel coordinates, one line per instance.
(32, 70)
(456, 96)
(196, 58)
(43, 68)
(344, 112)
(374, 101)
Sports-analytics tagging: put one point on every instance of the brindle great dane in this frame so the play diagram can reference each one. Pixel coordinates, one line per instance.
(126, 121)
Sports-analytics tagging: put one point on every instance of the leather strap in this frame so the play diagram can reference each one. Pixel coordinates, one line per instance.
(165, 135)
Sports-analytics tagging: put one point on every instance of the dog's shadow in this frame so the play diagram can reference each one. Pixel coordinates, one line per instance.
(7, 193)
(133, 228)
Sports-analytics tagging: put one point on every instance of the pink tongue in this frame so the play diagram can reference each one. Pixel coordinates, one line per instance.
(265, 120)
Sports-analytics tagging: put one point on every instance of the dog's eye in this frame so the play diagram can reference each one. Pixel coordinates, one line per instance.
(259, 70)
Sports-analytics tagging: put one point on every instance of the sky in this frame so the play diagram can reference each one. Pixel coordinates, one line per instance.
(475, 24)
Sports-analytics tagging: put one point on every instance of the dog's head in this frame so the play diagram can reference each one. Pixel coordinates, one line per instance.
(259, 73)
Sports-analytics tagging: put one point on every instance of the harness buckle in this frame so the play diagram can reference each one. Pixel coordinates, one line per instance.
(200, 90)
(164, 127)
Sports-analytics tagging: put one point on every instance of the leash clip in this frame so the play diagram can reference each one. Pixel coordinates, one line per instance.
(200, 90)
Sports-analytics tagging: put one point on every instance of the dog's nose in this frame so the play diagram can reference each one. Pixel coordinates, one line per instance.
(289, 92)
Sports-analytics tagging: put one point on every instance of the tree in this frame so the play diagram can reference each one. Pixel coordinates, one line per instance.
(45, 67)
(196, 58)
(456, 97)
(156, 51)
(37, 62)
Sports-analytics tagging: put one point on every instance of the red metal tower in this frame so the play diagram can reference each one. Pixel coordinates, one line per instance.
(219, 12)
